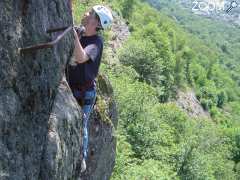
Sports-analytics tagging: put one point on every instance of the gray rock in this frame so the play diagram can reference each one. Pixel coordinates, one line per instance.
(40, 121)
(61, 153)
(188, 102)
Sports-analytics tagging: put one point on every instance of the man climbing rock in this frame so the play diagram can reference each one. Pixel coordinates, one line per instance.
(87, 57)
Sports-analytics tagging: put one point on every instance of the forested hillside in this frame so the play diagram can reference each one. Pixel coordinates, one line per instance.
(169, 51)
(221, 34)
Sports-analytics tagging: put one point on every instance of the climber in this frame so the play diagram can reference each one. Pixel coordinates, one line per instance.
(87, 57)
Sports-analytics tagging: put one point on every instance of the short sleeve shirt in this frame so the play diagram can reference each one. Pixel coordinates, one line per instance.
(84, 72)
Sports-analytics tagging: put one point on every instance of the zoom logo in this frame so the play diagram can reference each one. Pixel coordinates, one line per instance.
(208, 6)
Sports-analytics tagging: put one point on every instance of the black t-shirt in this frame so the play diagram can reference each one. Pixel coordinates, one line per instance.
(84, 72)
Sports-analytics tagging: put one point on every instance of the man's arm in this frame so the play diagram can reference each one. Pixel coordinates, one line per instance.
(79, 53)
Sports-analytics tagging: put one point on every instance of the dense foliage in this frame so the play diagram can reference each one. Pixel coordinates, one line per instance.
(156, 139)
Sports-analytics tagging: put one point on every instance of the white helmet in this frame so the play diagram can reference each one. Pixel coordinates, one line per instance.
(104, 15)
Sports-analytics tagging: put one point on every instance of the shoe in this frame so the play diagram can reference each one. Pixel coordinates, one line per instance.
(83, 165)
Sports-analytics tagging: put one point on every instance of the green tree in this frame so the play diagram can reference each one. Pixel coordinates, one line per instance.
(127, 8)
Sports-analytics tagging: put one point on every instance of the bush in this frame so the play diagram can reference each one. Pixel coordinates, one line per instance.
(143, 57)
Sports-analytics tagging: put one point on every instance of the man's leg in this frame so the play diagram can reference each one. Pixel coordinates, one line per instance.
(89, 100)
(87, 106)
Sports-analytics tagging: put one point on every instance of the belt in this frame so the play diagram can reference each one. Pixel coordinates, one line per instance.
(84, 87)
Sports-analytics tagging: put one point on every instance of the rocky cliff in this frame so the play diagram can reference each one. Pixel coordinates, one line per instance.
(40, 121)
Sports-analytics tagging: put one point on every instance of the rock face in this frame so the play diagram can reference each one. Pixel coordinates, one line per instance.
(190, 104)
(40, 121)
(62, 148)
(119, 33)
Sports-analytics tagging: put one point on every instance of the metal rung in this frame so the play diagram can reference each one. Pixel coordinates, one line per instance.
(48, 44)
